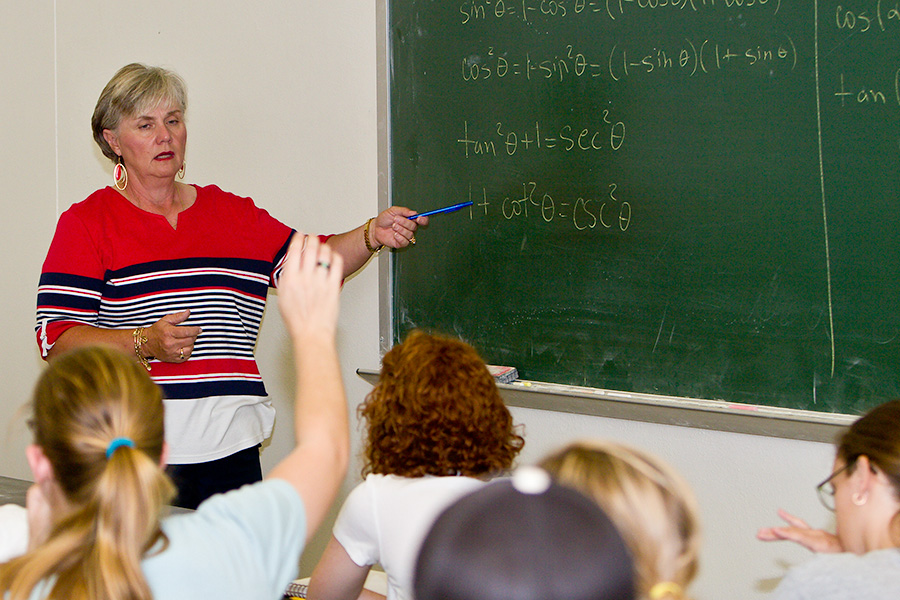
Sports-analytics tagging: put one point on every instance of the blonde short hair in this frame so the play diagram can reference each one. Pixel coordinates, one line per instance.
(653, 507)
(134, 88)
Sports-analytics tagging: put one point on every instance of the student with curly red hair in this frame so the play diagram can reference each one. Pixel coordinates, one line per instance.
(437, 429)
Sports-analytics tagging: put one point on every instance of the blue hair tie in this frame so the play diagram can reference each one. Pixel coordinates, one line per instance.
(116, 444)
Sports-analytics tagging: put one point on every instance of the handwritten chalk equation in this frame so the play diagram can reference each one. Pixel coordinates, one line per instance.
(605, 135)
(606, 212)
(624, 61)
(620, 8)
(529, 10)
(877, 17)
(867, 91)
(707, 57)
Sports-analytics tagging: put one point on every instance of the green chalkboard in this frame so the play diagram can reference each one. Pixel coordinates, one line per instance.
(695, 198)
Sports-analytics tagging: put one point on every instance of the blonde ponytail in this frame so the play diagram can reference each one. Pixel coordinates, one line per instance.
(86, 399)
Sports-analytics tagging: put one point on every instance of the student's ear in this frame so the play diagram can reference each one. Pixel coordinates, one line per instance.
(164, 455)
(863, 475)
(40, 465)
(875, 473)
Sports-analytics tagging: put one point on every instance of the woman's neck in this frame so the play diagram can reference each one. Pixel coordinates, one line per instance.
(894, 531)
(167, 199)
(883, 530)
(159, 198)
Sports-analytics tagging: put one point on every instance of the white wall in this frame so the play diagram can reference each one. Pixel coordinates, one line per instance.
(28, 180)
(282, 108)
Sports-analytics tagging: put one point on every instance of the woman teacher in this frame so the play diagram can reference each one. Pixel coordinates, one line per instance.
(178, 276)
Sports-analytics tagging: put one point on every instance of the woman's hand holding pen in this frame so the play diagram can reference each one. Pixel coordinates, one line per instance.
(393, 227)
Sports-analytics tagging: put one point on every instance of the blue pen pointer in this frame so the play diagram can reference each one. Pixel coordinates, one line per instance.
(446, 209)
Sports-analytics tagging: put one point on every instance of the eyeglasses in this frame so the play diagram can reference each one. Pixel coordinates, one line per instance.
(826, 488)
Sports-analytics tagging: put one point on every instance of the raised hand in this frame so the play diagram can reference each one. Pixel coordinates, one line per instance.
(800, 532)
(309, 287)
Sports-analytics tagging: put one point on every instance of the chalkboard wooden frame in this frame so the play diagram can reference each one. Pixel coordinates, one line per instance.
(684, 412)
(680, 411)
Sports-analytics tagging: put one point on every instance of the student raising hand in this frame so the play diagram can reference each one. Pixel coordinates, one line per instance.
(308, 300)
(309, 286)
(98, 459)
(797, 530)
(861, 558)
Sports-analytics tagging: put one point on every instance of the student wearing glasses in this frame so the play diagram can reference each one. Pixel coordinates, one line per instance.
(862, 558)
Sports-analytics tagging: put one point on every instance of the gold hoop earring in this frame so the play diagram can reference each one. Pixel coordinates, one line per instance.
(120, 175)
(181, 171)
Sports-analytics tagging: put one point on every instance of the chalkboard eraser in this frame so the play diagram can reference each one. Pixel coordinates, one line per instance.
(503, 374)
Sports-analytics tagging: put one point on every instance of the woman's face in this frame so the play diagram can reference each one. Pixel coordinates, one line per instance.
(152, 143)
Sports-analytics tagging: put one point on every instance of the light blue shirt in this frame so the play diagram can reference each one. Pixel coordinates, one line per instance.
(242, 545)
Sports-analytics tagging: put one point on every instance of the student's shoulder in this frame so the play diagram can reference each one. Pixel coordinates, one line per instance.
(414, 489)
(259, 501)
(859, 563)
(829, 576)
(12, 513)
(381, 486)
(13, 531)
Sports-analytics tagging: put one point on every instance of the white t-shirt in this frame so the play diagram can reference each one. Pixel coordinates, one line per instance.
(13, 531)
(386, 518)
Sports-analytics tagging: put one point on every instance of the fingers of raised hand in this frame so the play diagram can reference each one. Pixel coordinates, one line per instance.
(793, 520)
(812, 539)
(316, 263)
(319, 260)
(774, 534)
(329, 266)
(768, 534)
(309, 288)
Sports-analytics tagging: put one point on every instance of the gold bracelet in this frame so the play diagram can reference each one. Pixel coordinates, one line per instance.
(139, 339)
(366, 238)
